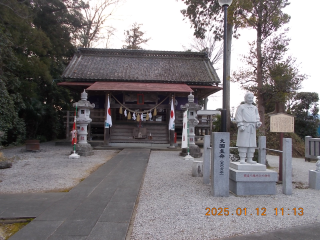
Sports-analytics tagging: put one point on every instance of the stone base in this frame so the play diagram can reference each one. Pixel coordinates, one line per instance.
(244, 183)
(314, 179)
(188, 158)
(84, 149)
(74, 155)
(248, 166)
(194, 151)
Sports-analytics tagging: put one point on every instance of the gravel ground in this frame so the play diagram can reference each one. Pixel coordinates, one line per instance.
(49, 169)
(172, 203)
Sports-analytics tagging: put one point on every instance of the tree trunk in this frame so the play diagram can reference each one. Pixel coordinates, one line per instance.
(228, 69)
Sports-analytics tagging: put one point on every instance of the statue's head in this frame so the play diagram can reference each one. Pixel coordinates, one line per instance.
(248, 98)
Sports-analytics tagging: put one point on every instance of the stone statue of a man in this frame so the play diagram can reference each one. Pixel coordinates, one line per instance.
(248, 119)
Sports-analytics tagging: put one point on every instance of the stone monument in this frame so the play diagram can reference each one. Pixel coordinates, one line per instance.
(314, 176)
(192, 108)
(83, 147)
(220, 164)
(248, 177)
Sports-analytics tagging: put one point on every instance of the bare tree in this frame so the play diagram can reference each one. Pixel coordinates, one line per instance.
(211, 46)
(110, 33)
(95, 18)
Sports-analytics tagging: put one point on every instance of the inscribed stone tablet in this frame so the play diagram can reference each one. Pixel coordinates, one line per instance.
(281, 123)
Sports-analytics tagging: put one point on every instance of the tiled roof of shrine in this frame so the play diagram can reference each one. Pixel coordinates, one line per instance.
(92, 65)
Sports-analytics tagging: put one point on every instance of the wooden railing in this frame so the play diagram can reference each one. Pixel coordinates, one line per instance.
(312, 148)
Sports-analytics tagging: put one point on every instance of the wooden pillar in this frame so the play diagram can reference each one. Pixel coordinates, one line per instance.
(124, 103)
(280, 107)
(68, 126)
(106, 130)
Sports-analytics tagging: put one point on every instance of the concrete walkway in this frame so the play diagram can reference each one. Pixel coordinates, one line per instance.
(100, 207)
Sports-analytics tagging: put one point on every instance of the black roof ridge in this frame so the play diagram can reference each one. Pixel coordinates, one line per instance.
(151, 53)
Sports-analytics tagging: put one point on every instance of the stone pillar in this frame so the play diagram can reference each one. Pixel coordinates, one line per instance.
(220, 164)
(307, 148)
(262, 152)
(206, 159)
(287, 166)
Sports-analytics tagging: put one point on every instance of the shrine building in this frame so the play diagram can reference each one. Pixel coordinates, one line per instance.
(141, 84)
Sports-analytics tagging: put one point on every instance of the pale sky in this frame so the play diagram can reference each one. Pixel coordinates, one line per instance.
(164, 24)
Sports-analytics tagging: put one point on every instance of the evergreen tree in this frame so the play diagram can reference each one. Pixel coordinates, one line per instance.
(11, 102)
(134, 37)
(281, 77)
(305, 109)
(265, 17)
(42, 44)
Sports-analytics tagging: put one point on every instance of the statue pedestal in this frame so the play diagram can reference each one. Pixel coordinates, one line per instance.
(252, 179)
(248, 167)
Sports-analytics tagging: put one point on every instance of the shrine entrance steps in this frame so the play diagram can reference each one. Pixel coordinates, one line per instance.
(123, 133)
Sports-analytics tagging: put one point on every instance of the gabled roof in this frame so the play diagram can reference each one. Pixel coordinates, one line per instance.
(92, 65)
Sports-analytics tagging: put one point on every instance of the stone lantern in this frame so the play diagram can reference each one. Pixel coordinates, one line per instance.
(192, 123)
(83, 119)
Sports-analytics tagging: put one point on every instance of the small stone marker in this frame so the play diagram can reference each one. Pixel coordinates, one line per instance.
(287, 166)
(220, 164)
(314, 176)
(197, 169)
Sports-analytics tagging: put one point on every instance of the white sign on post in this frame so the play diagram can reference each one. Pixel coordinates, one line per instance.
(281, 122)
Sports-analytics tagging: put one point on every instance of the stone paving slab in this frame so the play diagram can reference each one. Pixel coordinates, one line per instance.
(109, 231)
(100, 207)
(305, 232)
(26, 204)
(37, 230)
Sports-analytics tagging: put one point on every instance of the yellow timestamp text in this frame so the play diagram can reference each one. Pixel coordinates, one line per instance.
(254, 212)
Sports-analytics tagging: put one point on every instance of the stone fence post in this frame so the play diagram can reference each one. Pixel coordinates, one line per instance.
(307, 148)
(206, 159)
(262, 152)
(287, 166)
